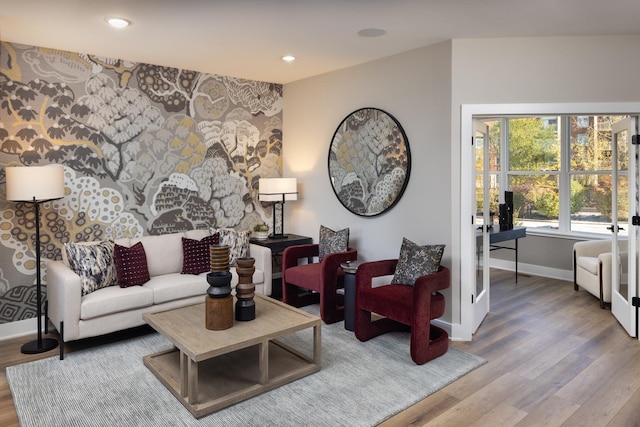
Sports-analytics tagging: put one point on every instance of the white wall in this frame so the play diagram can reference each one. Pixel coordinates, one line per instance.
(538, 71)
(425, 89)
(415, 88)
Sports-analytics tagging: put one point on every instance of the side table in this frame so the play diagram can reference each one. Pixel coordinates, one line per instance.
(350, 269)
(277, 247)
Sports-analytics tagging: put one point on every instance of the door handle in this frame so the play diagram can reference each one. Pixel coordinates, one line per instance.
(617, 228)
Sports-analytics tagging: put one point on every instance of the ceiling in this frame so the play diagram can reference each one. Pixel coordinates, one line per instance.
(247, 38)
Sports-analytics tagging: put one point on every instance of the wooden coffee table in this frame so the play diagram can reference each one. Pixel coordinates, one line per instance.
(210, 370)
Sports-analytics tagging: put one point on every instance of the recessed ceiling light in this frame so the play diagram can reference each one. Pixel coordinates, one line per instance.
(289, 58)
(118, 22)
(372, 32)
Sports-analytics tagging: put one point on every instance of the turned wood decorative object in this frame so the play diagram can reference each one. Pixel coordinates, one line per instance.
(219, 302)
(219, 258)
(219, 313)
(245, 289)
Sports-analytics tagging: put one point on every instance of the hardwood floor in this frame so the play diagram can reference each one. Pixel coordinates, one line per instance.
(554, 359)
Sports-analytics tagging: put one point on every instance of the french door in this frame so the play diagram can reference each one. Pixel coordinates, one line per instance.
(482, 222)
(624, 253)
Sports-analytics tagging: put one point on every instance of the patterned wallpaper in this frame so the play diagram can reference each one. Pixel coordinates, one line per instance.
(146, 150)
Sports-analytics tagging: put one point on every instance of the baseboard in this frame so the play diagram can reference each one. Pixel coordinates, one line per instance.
(19, 328)
(533, 270)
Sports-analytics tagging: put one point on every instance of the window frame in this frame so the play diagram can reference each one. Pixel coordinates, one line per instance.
(564, 173)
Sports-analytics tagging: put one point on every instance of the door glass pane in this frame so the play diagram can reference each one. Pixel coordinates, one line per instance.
(479, 144)
(623, 151)
(623, 205)
(479, 199)
(494, 145)
(479, 264)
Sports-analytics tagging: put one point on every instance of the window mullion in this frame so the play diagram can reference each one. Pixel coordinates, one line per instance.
(564, 184)
(504, 157)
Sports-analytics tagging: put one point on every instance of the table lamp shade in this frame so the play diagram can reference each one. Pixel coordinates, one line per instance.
(24, 183)
(273, 189)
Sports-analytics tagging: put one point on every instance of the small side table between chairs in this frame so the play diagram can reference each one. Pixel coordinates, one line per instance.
(350, 269)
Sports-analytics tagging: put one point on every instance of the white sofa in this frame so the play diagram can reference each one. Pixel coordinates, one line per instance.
(114, 308)
(592, 267)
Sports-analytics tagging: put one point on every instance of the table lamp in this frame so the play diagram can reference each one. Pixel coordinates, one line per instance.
(278, 190)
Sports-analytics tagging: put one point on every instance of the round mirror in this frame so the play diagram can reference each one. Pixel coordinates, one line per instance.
(369, 162)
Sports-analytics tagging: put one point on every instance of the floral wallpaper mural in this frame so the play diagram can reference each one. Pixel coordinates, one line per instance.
(146, 150)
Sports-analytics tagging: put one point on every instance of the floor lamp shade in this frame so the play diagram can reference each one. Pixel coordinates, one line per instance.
(278, 190)
(34, 183)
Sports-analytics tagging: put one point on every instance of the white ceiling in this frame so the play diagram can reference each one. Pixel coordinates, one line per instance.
(247, 38)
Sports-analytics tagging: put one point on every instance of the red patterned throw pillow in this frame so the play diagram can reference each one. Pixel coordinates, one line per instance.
(131, 265)
(196, 254)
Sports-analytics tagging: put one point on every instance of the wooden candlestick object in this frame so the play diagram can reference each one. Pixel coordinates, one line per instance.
(245, 289)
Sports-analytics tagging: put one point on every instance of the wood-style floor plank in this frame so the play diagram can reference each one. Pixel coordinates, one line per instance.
(554, 358)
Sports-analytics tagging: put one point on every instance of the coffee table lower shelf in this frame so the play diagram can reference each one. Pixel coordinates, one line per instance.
(230, 378)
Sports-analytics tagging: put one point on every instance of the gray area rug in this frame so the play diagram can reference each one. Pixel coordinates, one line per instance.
(360, 384)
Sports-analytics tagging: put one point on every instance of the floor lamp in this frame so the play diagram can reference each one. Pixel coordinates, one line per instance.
(278, 190)
(36, 185)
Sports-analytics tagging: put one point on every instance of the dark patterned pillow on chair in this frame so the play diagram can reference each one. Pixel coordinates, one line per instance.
(131, 264)
(415, 261)
(332, 242)
(93, 262)
(195, 254)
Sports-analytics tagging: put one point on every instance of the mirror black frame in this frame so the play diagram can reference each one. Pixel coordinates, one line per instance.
(369, 162)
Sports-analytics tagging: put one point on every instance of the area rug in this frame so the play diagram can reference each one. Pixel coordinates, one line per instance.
(360, 384)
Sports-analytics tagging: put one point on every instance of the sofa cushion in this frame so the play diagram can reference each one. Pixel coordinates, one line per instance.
(114, 299)
(331, 242)
(164, 253)
(196, 254)
(415, 261)
(94, 264)
(174, 286)
(131, 265)
(238, 242)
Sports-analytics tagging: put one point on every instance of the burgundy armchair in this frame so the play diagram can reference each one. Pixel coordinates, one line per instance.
(325, 278)
(403, 307)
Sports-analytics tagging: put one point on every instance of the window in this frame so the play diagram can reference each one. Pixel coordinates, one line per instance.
(582, 121)
(559, 169)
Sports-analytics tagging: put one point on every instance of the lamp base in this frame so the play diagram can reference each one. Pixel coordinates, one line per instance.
(278, 236)
(32, 346)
